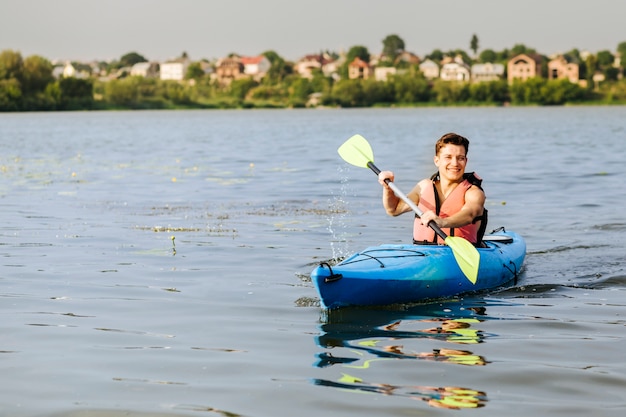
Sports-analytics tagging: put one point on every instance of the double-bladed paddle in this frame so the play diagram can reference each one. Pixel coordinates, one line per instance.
(358, 152)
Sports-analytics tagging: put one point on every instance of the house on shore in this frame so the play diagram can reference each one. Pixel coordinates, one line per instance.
(562, 67)
(383, 73)
(307, 64)
(455, 70)
(523, 66)
(430, 69)
(407, 57)
(145, 69)
(360, 69)
(235, 67)
(324, 62)
(487, 72)
(255, 66)
(175, 69)
(72, 70)
(228, 69)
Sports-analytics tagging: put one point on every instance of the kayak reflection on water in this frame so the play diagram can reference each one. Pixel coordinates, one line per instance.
(365, 337)
(441, 397)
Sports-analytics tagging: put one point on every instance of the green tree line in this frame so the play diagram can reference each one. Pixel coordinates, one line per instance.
(28, 84)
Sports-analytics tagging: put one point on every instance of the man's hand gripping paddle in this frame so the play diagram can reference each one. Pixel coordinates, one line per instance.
(358, 152)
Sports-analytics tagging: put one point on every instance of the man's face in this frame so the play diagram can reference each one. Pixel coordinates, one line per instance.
(451, 161)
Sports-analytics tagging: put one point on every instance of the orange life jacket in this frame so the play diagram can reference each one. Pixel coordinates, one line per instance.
(429, 200)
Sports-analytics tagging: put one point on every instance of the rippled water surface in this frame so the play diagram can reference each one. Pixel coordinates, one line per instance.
(157, 263)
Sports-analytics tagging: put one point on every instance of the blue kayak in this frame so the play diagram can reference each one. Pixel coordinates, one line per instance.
(405, 273)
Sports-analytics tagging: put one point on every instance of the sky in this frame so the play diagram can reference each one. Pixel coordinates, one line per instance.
(105, 30)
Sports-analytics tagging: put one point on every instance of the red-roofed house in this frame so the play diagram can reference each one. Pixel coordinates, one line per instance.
(255, 66)
(359, 69)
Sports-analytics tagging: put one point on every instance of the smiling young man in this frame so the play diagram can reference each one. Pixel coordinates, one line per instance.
(451, 198)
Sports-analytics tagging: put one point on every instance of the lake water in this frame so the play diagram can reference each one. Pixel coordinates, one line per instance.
(157, 263)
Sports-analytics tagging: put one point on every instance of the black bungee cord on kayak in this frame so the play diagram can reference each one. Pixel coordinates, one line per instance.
(332, 277)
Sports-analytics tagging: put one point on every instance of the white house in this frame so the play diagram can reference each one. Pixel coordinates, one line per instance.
(69, 70)
(308, 63)
(57, 71)
(430, 69)
(75, 71)
(256, 66)
(175, 69)
(455, 70)
(382, 73)
(145, 69)
(331, 68)
(487, 72)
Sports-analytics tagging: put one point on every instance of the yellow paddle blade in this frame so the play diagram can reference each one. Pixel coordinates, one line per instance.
(356, 151)
(466, 256)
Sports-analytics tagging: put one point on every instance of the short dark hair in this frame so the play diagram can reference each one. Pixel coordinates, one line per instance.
(451, 138)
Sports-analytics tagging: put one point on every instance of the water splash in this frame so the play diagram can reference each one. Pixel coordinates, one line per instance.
(337, 220)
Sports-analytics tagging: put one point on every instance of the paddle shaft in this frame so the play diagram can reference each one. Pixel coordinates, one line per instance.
(406, 199)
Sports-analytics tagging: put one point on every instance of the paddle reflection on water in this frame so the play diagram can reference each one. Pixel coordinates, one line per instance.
(365, 338)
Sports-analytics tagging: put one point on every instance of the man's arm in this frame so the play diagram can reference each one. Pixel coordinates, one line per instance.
(393, 205)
